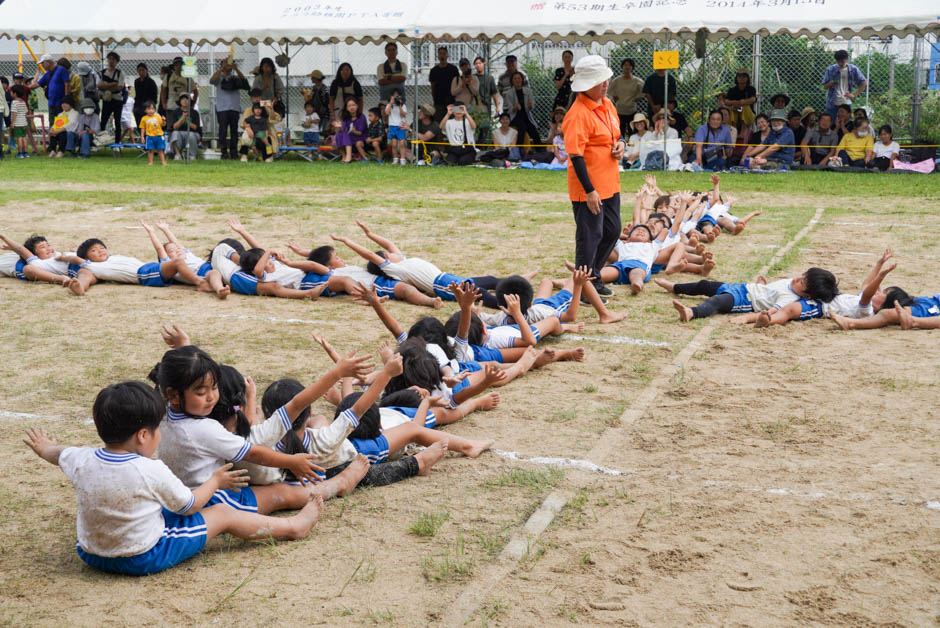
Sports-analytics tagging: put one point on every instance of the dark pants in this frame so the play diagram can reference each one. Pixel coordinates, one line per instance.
(722, 303)
(383, 473)
(523, 125)
(882, 163)
(259, 145)
(625, 131)
(109, 108)
(486, 283)
(461, 155)
(596, 235)
(53, 112)
(847, 161)
(228, 126)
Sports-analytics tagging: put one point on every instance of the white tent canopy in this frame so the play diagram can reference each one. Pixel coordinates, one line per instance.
(311, 21)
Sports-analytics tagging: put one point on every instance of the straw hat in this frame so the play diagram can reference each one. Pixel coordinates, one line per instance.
(428, 110)
(806, 111)
(660, 114)
(316, 75)
(590, 71)
(639, 117)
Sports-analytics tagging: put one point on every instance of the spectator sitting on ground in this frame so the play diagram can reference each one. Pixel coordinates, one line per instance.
(271, 116)
(726, 120)
(653, 87)
(886, 149)
(465, 87)
(712, 143)
(856, 148)
(62, 133)
(763, 132)
(459, 127)
(229, 83)
(625, 91)
(777, 149)
(441, 78)
(504, 136)
(779, 101)
(504, 82)
(519, 103)
(55, 81)
(390, 74)
(558, 149)
(668, 135)
(795, 122)
(554, 126)
(808, 116)
(563, 81)
(88, 125)
(640, 143)
(859, 114)
(174, 85)
(145, 90)
(270, 84)
(428, 131)
(740, 100)
(343, 87)
(844, 122)
(840, 79)
(681, 125)
(819, 144)
(185, 128)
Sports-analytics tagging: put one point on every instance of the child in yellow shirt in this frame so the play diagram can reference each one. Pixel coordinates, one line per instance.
(151, 133)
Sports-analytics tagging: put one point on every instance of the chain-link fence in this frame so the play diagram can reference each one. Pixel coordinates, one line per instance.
(793, 66)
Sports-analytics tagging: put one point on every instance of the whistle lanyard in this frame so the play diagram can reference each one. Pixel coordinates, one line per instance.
(606, 123)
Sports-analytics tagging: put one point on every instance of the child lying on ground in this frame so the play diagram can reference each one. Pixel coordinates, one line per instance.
(34, 260)
(718, 214)
(724, 298)
(134, 515)
(850, 306)
(898, 308)
(210, 279)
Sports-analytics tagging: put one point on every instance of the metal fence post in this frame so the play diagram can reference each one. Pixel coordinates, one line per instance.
(915, 97)
(755, 72)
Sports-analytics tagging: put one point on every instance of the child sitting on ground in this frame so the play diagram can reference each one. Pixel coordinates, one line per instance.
(375, 134)
(64, 127)
(134, 516)
(816, 283)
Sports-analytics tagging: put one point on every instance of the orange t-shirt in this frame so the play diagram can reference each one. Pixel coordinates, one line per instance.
(590, 130)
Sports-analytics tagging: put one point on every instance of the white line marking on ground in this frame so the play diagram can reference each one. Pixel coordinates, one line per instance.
(618, 340)
(573, 463)
(520, 541)
(248, 317)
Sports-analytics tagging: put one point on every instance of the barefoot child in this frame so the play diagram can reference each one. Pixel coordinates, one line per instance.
(151, 133)
(898, 308)
(134, 516)
(725, 298)
(34, 260)
(210, 280)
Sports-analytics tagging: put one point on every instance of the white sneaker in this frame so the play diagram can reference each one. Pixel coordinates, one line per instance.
(395, 161)
(269, 160)
(176, 157)
(244, 159)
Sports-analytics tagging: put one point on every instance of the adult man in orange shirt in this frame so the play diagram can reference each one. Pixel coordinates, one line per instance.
(591, 130)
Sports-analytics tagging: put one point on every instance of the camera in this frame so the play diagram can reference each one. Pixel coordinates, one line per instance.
(466, 72)
(396, 99)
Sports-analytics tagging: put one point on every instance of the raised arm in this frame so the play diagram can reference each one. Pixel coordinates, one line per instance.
(43, 444)
(306, 265)
(363, 252)
(165, 228)
(258, 270)
(387, 319)
(16, 247)
(873, 282)
(513, 309)
(466, 297)
(299, 251)
(385, 243)
(237, 227)
(391, 369)
(348, 366)
(321, 340)
(155, 241)
(716, 192)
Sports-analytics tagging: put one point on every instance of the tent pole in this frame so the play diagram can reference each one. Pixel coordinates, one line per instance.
(702, 107)
(755, 72)
(212, 97)
(415, 65)
(915, 97)
(287, 137)
(189, 89)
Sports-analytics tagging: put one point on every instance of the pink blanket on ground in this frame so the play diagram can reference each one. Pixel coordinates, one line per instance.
(925, 166)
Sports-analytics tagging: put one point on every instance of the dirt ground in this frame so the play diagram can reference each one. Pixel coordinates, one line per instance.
(781, 476)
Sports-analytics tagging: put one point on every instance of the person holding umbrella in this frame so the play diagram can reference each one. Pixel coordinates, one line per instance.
(592, 140)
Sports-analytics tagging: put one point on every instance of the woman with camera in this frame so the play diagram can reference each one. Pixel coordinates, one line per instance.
(465, 87)
(270, 84)
(229, 81)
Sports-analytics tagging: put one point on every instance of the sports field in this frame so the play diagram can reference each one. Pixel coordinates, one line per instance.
(786, 476)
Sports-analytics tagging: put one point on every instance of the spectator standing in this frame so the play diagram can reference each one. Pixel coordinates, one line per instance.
(344, 87)
(857, 148)
(175, 85)
(391, 74)
(319, 95)
(271, 85)
(428, 131)
(441, 78)
(111, 88)
(712, 143)
(777, 149)
(489, 95)
(563, 81)
(465, 87)
(594, 146)
(626, 90)
(655, 85)
(4, 112)
(88, 81)
(886, 149)
(519, 103)
(229, 83)
(843, 81)
(145, 90)
(740, 99)
(819, 143)
(185, 128)
(504, 82)
(55, 81)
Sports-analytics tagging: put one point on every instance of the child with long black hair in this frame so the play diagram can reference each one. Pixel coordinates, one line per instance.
(898, 308)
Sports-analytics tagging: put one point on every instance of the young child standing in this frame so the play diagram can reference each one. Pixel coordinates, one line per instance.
(18, 120)
(151, 133)
(310, 124)
(134, 516)
(397, 114)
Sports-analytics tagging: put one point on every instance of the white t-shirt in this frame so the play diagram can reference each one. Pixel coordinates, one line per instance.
(329, 443)
(886, 150)
(462, 353)
(51, 264)
(776, 294)
(455, 132)
(415, 271)
(396, 115)
(641, 143)
(128, 121)
(8, 263)
(502, 337)
(505, 139)
(222, 263)
(849, 306)
(267, 433)
(117, 268)
(308, 117)
(284, 275)
(356, 273)
(841, 98)
(194, 449)
(120, 499)
(644, 252)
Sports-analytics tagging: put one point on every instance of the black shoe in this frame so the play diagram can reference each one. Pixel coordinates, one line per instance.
(602, 290)
(586, 302)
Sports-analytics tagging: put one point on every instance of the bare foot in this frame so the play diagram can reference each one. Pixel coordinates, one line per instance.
(905, 318)
(685, 312)
(345, 482)
(843, 323)
(711, 235)
(203, 286)
(546, 356)
(569, 265)
(223, 292)
(612, 317)
(572, 327)
(668, 286)
(558, 284)
(529, 356)
(386, 351)
(430, 456)
(303, 521)
(438, 303)
(693, 240)
(570, 354)
(708, 266)
(487, 402)
(738, 228)
(700, 248)
(314, 293)
(762, 280)
(636, 289)
(763, 319)
(76, 287)
(477, 447)
(531, 274)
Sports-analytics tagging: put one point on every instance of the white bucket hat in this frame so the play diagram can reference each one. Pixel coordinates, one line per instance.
(590, 71)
